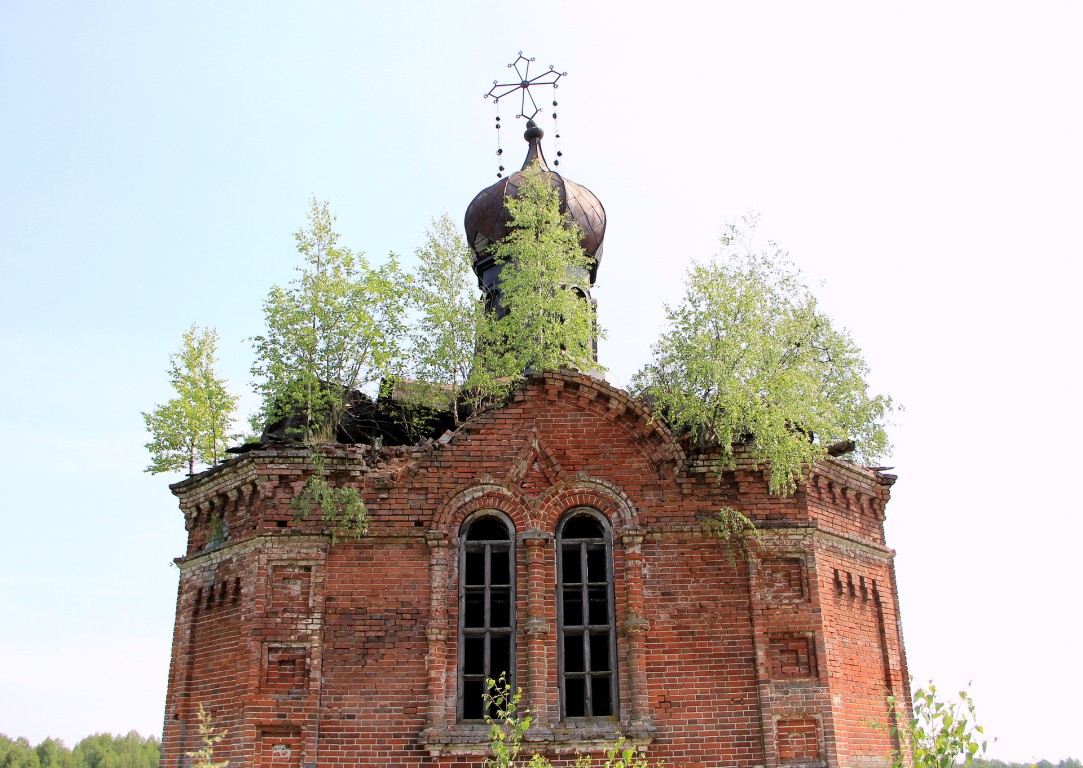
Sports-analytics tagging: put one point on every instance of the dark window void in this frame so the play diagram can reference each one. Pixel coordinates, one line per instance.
(486, 610)
(588, 680)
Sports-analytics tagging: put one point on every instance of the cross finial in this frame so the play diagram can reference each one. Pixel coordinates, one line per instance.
(522, 68)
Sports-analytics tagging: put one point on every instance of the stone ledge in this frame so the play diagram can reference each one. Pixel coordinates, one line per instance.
(584, 736)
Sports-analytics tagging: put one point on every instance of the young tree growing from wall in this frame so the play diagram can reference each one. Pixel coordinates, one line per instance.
(210, 737)
(544, 322)
(749, 358)
(333, 332)
(509, 726)
(335, 329)
(193, 427)
(450, 316)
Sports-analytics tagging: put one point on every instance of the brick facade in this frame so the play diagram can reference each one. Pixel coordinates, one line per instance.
(310, 652)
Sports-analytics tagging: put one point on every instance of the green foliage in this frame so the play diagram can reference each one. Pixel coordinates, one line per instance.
(334, 329)
(340, 508)
(1070, 762)
(450, 313)
(509, 726)
(193, 427)
(544, 322)
(98, 751)
(939, 734)
(730, 525)
(210, 738)
(105, 751)
(53, 754)
(17, 753)
(618, 755)
(748, 358)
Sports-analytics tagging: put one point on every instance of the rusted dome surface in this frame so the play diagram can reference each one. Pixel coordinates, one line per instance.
(487, 216)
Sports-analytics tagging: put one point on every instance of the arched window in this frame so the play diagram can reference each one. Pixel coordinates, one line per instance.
(587, 641)
(486, 608)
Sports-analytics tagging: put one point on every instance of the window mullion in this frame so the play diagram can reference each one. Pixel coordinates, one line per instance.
(584, 577)
(584, 585)
(588, 706)
(488, 592)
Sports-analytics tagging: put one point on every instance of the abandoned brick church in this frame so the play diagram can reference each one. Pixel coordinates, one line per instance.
(561, 537)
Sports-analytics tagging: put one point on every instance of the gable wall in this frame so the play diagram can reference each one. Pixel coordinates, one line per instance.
(717, 665)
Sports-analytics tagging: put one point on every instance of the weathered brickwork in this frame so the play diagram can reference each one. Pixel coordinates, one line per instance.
(798, 741)
(310, 652)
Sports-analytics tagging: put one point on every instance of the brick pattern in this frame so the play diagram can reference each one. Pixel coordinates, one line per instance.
(318, 654)
(863, 648)
(291, 588)
(784, 580)
(285, 669)
(792, 656)
(278, 748)
(834, 500)
(798, 741)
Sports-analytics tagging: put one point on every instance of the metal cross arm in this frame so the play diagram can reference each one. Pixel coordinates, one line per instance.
(522, 68)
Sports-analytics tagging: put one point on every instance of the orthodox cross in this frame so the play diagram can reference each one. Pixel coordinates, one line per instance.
(522, 68)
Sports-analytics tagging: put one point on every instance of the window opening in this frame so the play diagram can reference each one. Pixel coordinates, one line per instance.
(587, 642)
(486, 610)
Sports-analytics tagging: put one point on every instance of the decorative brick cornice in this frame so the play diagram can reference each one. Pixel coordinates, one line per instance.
(836, 540)
(854, 490)
(316, 543)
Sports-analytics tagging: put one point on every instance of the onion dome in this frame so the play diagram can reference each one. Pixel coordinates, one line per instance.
(487, 216)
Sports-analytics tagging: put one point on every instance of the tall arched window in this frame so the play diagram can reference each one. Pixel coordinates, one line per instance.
(587, 640)
(486, 608)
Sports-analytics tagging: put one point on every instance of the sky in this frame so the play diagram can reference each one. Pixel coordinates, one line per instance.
(922, 163)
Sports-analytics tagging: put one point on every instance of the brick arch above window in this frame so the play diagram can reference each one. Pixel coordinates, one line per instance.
(487, 496)
(597, 494)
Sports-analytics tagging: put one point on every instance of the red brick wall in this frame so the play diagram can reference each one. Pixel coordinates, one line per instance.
(344, 654)
(863, 646)
(207, 668)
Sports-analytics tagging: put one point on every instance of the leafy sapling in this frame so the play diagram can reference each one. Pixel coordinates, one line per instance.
(450, 312)
(748, 358)
(193, 427)
(939, 734)
(543, 321)
(620, 754)
(508, 724)
(335, 329)
(210, 737)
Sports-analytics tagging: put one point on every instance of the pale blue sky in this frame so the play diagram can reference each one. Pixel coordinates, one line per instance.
(923, 159)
